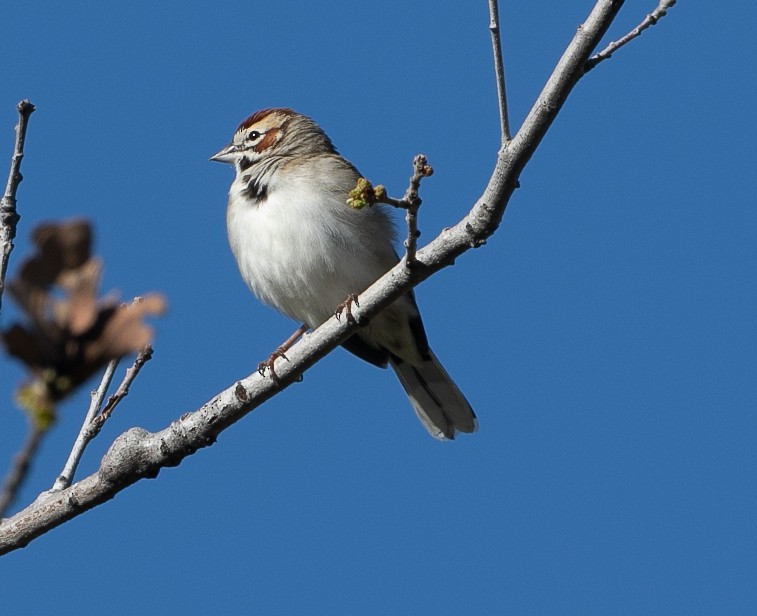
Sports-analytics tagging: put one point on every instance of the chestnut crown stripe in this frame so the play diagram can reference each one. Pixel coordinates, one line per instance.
(259, 115)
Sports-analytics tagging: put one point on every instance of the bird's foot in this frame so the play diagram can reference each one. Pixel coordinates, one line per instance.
(346, 307)
(280, 352)
(268, 365)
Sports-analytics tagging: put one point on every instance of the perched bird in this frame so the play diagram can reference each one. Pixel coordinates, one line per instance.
(302, 250)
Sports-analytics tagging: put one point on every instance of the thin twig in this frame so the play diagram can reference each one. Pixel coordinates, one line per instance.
(8, 215)
(17, 474)
(421, 169)
(649, 21)
(85, 432)
(143, 357)
(499, 71)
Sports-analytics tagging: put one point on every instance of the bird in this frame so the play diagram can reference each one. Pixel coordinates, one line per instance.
(302, 250)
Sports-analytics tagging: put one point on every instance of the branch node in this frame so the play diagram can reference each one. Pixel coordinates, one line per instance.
(241, 393)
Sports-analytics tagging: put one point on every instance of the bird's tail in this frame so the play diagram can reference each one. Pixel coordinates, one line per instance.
(436, 400)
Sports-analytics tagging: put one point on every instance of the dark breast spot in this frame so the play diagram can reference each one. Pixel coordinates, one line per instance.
(255, 191)
(244, 163)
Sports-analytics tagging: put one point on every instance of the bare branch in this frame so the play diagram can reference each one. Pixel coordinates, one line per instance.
(138, 454)
(96, 418)
(8, 215)
(649, 20)
(412, 201)
(17, 474)
(499, 71)
(143, 357)
(85, 432)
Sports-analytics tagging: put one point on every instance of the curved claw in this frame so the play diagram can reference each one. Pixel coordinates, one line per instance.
(280, 352)
(268, 365)
(346, 307)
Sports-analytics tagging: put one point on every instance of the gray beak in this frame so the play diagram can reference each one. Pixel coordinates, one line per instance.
(227, 155)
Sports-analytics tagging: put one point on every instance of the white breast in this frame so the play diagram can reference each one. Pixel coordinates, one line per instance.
(303, 251)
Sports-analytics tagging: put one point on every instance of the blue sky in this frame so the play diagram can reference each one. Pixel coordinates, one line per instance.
(605, 335)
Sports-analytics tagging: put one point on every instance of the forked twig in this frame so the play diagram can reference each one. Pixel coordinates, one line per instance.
(97, 415)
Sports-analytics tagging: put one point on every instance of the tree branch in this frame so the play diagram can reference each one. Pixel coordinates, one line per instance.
(499, 72)
(97, 415)
(17, 474)
(138, 454)
(8, 215)
(86, 434)
(143, 357)
(649, 20)
(421, 169)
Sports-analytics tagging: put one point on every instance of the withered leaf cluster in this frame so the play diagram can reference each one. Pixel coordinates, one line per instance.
(69, 333)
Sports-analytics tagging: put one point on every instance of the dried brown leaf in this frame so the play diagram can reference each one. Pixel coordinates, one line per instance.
(78, 311)
(71, 334)
(123, 331)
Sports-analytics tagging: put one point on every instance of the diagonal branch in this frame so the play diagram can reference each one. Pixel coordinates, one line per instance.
(649, 21)
(20, 467)
(138, 454)
(8, 215)
(122, 391)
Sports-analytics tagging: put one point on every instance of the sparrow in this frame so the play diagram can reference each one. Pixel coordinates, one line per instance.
(302, 250)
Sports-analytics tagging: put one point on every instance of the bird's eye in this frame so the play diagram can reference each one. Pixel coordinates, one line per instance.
(253, 135)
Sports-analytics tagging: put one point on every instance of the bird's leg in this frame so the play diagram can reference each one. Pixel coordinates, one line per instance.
(346, 307)
(280, 352)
